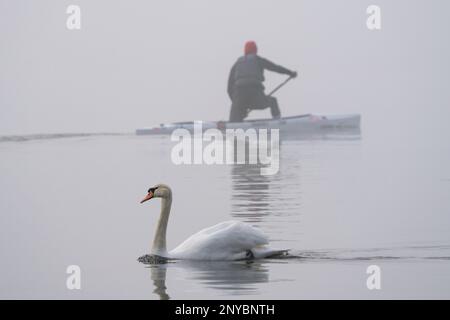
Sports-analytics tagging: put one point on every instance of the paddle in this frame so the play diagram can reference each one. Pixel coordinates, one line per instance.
(275, 90)
(280, 85)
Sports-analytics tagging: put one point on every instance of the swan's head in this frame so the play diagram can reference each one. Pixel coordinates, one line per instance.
(158, 191)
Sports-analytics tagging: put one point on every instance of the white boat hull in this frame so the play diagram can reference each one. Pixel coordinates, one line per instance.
(297, 124)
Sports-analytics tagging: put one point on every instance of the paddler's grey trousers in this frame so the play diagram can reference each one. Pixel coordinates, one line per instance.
(251, 98)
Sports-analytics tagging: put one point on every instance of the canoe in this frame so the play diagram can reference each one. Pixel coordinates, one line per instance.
(296, 124)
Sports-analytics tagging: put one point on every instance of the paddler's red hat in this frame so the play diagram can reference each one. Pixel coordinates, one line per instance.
(250, 47)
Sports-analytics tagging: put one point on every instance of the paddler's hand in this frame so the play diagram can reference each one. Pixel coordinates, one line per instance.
(293, 74)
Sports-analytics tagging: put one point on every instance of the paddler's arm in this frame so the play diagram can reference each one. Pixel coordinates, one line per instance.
(269, 65)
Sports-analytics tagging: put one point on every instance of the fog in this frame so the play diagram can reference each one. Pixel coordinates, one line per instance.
(139, 63)
(340, 203)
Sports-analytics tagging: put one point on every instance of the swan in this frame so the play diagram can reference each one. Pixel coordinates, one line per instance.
(229, 240)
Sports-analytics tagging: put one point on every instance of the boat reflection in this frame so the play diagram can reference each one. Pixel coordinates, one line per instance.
(256, 197)
(251, 192)
(342, 134)
(234, 277)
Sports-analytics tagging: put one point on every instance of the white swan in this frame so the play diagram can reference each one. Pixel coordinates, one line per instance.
(230, 240)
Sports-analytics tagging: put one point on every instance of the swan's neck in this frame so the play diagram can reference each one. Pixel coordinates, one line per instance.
(159, 242)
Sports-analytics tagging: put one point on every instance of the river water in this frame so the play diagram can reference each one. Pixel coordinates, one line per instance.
(340, 203)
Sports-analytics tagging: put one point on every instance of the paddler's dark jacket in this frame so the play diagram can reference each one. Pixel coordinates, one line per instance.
(248, 71)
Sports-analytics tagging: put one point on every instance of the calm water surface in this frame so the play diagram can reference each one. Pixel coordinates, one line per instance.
(340, 203)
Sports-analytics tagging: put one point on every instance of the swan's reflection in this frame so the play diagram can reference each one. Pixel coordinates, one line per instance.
(234, 277)
(158, 276)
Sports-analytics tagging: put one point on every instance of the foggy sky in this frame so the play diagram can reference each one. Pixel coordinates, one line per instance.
(139, 63)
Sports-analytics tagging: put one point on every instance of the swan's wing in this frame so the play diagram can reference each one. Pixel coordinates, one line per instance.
(221, 241)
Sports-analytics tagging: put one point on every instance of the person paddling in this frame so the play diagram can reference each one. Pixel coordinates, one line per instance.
(245, 84)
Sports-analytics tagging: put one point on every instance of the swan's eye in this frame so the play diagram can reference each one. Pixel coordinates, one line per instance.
(152, 190)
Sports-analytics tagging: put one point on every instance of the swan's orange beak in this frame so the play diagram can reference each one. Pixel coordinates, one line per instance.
(147, 197)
